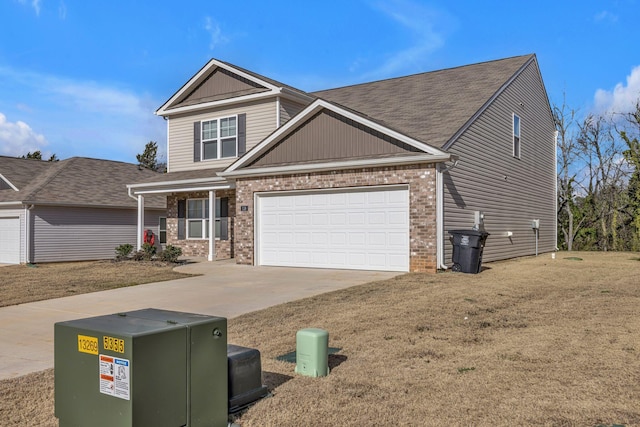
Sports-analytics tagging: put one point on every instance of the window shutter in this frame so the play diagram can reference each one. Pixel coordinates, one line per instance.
(182, 215)
(224, 207)
(196, 141)
(242, 134)
(224, 228)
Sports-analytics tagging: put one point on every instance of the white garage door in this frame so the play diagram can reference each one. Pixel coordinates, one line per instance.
(9, 241)
(362, 229)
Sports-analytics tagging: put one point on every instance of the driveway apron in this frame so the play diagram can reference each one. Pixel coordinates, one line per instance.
(224, 289)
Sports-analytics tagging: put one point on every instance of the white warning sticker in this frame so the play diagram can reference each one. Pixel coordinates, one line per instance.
(114, 376)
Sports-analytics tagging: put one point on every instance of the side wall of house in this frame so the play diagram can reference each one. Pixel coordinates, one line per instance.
(289, 109)
(18, 213)
(510, 191)
(422, 204)
(224, 249)
(79, 234)
(261, 121)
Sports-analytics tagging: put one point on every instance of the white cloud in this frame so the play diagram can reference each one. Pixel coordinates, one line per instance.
(606, 16)
(62, 10)
(34, 3)
(17, 138)
(213, 28)
(428, 27)
(622, 98)
(83, 118)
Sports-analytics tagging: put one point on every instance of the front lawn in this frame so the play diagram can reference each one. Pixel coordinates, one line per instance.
(531, 341)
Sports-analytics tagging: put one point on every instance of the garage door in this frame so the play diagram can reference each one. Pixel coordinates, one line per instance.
(9, 241)
(362, 229)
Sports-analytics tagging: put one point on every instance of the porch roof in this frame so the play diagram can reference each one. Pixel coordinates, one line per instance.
(182, 181)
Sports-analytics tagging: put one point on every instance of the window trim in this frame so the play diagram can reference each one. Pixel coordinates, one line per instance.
(204, 219)
(219, 138)
(516, 138)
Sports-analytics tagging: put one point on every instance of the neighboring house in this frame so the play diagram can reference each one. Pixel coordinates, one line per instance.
(369, 176)
(71, 210)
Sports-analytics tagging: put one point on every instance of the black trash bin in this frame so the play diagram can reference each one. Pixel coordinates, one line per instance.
(467, 250)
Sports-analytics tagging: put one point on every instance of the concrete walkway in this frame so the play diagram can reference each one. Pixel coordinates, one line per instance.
(225, 289)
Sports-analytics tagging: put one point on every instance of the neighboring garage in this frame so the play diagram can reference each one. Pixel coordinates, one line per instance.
(10, 240)
(361, 228)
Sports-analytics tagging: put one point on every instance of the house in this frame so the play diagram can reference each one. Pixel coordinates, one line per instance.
(368, 176)
(70, 210)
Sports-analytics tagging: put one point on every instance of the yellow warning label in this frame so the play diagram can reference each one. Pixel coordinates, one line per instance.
(88, 344)
(113, 344)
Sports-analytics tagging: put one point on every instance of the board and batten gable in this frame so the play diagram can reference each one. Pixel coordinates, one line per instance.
(260, 122)
(84, 234)
(510, 191)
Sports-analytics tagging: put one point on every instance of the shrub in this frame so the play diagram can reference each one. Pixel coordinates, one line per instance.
(170, 254)
(123, 251)
(148, 251)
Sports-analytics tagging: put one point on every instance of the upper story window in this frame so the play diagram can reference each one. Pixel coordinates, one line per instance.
(516, 136)
(219, 138)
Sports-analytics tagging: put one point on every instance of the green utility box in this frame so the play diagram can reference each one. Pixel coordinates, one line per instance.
(142, 368)
(312, 352)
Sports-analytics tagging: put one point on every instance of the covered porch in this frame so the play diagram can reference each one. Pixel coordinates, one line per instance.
(200, 211)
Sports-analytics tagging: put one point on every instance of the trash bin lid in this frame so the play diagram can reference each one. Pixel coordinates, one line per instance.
(469, 232)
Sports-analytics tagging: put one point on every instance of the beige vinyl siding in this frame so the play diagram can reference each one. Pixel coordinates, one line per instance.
(79, 234)
(511, 192)
(289, 109)
(261, 121)
(18, 213)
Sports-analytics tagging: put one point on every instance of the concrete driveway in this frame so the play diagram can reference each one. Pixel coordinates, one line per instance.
(225, 289)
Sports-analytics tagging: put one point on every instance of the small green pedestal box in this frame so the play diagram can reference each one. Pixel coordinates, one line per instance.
(312, 352)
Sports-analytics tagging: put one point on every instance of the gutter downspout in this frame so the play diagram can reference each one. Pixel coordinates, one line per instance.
(555, 164)
(440, 211)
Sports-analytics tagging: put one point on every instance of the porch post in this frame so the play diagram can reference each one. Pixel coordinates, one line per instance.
(140, 230)
(212, 225)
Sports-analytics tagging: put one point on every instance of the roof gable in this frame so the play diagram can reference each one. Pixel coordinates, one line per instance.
(220, 83)
(308, 142)
(431, 107)
(329, 136)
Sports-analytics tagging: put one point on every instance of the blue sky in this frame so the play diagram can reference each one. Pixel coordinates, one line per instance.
(83, 78)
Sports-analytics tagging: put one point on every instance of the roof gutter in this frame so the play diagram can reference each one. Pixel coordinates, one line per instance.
(329, 166)
(11, 203)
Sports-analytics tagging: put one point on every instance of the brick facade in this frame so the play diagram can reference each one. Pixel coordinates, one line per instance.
(224, 249)
(421, 180)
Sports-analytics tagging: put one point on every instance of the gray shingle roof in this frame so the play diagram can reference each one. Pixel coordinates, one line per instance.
(430, 107)
(75, 181)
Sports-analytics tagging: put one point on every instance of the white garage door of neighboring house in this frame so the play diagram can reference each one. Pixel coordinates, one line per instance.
(9, 240)
(360, 229)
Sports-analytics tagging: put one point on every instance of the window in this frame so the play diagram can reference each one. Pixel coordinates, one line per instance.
(162, 228)
(219, 138)
(198, 217)
(516, 136)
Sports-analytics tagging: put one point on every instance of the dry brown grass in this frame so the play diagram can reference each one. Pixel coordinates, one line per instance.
(21, 283)
(530, 341)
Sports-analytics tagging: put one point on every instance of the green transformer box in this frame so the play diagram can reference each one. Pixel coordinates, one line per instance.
(142, 368)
